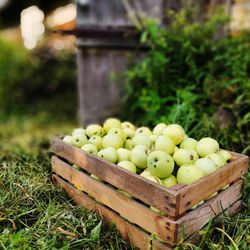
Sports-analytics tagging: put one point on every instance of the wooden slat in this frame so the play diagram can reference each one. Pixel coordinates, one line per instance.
(128, 208)
(194, 193)
(197, 218)
(139, 187)
(128, 231)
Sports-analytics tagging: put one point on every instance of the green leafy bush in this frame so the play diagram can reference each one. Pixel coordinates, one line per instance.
(194, 76)
(41, 81)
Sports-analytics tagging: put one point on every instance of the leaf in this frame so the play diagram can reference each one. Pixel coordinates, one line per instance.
(95, 232)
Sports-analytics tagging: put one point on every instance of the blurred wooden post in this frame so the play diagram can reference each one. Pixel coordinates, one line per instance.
(104, 49)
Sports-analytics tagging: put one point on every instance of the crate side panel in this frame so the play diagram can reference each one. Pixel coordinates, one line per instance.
(151, 193)
(194, 220)
(128, 208)
(128, 231)
(200, 190)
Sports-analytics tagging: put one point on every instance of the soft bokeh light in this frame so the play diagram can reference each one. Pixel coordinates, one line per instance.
(62, 15)
(32, 27)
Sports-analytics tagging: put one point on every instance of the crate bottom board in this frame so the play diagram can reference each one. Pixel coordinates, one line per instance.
(129, 232)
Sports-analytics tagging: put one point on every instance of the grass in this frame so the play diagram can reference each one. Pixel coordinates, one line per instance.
(36, 215)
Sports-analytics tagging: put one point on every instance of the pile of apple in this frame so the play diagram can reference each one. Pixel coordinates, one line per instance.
(164, 155)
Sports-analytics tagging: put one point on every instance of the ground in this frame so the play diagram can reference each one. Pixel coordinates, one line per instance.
(36, 215)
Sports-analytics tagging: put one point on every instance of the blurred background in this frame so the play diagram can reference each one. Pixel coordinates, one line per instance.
(199, 77)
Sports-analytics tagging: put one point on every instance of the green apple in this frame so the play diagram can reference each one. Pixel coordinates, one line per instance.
(123, 154)
(165, 143)
(127, 125)
(160, 164)
(90, 148)
(141, 140)
(157, 210)
(158, 129)
(108, 154)
(196, 156)
(112, 140)
(97, 141)
(145, 172)
(211, 196)
(206, 146)
(226, 155)
(139, 155)
(225, 187)
(125, 193)
(79, 131)
(117, 131)
(143, 131)
(111, 123)
(188, 174)
(218, 160)
(68, 139)
(153, 138)
(75, 166)
(184, 156)
(188, 143)
(94, 129)
(79, 140)
(175, 132)
(128, 144)
(128, 165)
(129, 133)
(195, 206)
(169, 181)
(95, 177)
(206, 165)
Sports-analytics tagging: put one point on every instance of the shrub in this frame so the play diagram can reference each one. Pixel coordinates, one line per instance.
(41, 81)
(193, 76)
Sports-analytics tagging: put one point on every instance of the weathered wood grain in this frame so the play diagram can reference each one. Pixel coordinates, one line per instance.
(194, 220)
(133, 234)
(128, 208)
(194, 193)
(139, 187)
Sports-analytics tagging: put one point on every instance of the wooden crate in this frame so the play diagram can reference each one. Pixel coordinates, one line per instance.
(134, 219)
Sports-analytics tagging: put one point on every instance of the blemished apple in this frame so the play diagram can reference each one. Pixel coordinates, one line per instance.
(206, 165)
(112, 140)
(128, 144)
(128, 165)
(97, 141)
(143, 131)
(123, 154)
(158, 129)
(170, 181)
(164, 143)
(94, 129)
(108, 154)
(79, 131)
(111, 123)
(218, 160)
(68, 139)
(128, 125)
(184, 157)
(138, 156)
(226, 155)
(117, 131)
(189, 143)
(188, 174)
(206, 146)
(153, 138)
(141, 140)
(79, 140)
(160, 164)
(175, 132)
(129, 133)
(90, 148)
